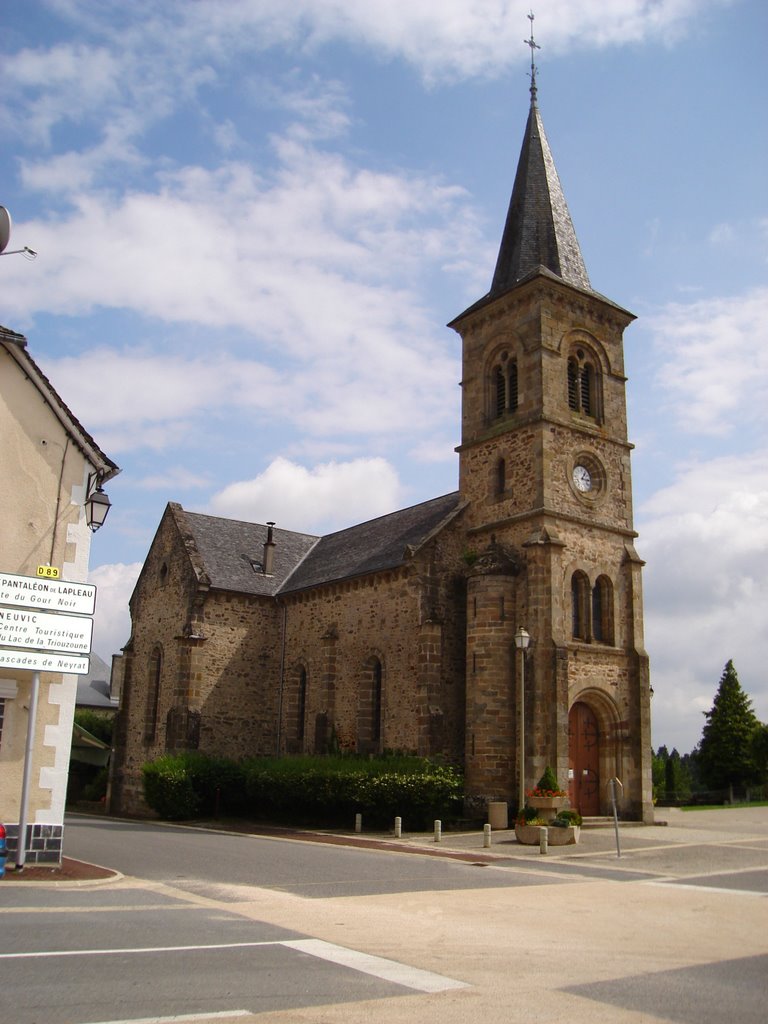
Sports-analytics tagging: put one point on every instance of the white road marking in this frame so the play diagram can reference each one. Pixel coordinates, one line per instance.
(379, 967)
(141, 949)
(224, 1015)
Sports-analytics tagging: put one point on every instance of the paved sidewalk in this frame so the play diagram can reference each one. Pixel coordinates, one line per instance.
(681, 844)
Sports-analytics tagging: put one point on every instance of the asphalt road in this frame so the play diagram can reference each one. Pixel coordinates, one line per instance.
(232, 928)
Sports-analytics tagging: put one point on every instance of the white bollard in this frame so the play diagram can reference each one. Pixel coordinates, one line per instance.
(486, 836)
(398, 827)
(438, 830)
(358, 823)
(543, 839)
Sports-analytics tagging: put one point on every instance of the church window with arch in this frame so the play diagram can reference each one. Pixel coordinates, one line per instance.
(504, 386)
(584, 393)
(580, 608)
(602, 611)
(370, 707)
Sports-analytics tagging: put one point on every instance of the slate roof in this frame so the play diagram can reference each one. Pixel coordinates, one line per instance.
(538, 230)
(93, 688)
(374, 546)
(230, 552)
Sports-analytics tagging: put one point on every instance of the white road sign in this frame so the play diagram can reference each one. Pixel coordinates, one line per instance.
(52, 595)
(45, 631)
(39, 661)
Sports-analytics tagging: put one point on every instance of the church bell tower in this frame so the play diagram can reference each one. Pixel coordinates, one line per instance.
(545, 472)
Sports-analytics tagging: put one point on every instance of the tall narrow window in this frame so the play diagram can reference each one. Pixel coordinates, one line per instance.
(370, 708)
(573, 384)
(376, 723)
(512, 385)
(301, 709)
(583, 385)
(500, 391)
(501, 476)
(579, 605)
(602, 611)
(587, 388)
(153, 695)
(504, 387)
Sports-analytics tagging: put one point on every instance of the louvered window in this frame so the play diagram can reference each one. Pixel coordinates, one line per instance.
(500, 390)
(505, 387)
(583, 385)
(573, 384)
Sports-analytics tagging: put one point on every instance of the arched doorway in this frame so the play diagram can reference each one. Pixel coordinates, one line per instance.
(584, 760)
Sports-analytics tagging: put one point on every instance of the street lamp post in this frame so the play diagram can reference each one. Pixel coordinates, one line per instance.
(522, 639)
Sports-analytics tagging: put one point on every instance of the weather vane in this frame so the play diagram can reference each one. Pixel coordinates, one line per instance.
(534, 46)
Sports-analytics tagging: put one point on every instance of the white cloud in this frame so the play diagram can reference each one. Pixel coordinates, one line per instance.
(328, 497)
(151, 59)
(714, 362)
(112, 621)
(705, 539)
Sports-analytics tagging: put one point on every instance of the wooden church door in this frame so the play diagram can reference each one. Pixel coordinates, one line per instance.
(584, 760)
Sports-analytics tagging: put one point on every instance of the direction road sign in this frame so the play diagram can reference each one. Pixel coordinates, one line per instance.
(45, 631)
(51, 595)
(40, 661)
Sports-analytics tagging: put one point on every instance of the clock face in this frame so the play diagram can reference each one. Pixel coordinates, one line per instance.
(582, 479)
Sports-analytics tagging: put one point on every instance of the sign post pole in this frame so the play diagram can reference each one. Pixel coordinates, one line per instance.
(21, 844)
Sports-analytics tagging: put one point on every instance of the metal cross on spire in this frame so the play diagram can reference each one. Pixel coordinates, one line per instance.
(534, 46)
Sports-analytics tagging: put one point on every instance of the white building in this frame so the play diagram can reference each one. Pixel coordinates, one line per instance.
(49, 466)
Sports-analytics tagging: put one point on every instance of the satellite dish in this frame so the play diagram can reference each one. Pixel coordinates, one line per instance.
(5, 228)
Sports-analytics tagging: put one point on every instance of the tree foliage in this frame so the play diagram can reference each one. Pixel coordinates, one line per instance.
(672, 778)
(724, 755)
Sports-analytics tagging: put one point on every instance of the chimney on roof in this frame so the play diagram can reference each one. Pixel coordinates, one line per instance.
(269, 552)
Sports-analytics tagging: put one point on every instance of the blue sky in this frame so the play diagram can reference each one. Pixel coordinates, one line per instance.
(254, 219)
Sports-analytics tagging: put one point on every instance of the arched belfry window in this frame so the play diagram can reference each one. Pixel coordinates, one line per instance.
(584, 385)
(504, 386)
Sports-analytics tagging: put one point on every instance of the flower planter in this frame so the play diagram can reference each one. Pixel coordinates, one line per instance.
(547, 806)
(528, 835)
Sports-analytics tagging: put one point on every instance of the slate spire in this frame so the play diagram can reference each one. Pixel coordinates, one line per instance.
(539, 231)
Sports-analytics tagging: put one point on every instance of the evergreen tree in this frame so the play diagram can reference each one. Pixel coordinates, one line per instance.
(724, 755)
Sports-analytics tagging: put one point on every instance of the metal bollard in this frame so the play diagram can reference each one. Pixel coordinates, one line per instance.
(398, 827)
(358, 823)
(486, 836)
(543, 839)
(438, 830)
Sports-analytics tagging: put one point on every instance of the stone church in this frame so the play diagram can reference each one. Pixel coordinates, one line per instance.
(400, 633)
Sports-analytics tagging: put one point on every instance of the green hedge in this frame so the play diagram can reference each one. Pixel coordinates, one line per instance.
(303, 790)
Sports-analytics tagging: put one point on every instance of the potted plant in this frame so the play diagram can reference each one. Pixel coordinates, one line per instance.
(546, 797)
(543, 810)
